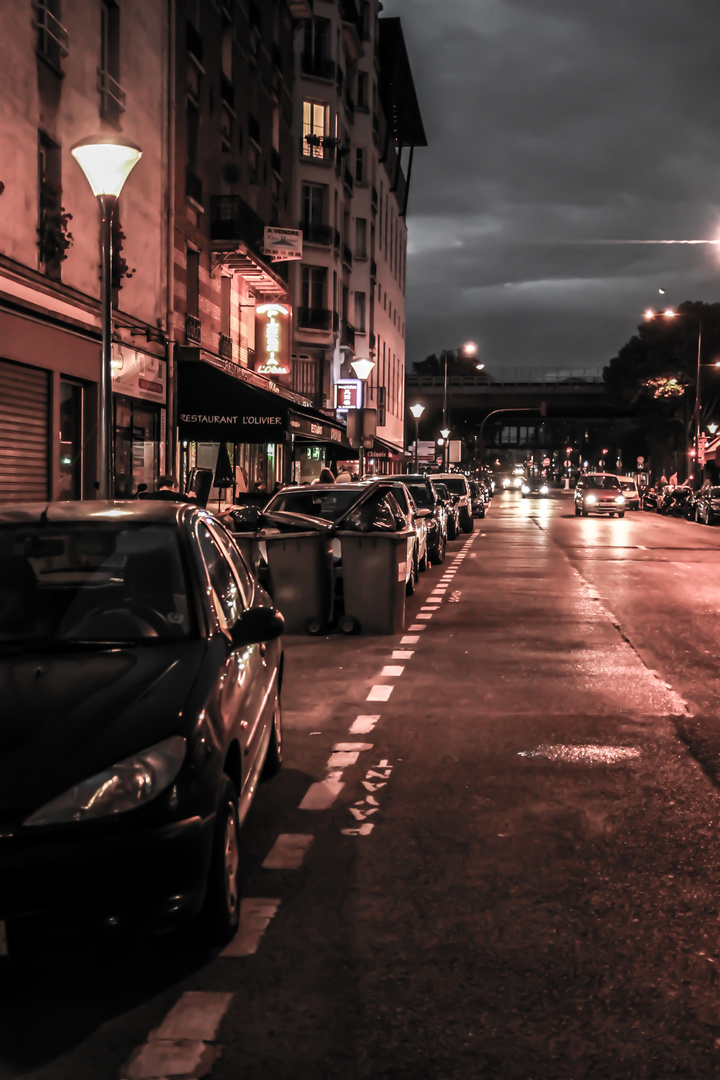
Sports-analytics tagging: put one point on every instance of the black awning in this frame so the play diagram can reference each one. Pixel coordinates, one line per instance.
(216, 406)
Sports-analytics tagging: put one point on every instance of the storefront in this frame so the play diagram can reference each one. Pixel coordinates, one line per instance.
(139, 402)
(264, 429)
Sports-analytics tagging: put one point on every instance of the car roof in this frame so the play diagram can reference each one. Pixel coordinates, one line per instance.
(94, 510)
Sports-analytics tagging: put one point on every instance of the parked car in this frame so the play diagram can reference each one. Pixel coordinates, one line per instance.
(141, 669)
(629, 489)
(452, 509)
(431, 508)
(457, 485)
(707, 505)
(416, 521)
(536, 487)
(478, 498)
(599, 493)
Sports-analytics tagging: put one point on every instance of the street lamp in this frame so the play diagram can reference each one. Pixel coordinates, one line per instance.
(417, 411)
(445, 432)
(106, 161)
(468, 349)
(362, 368)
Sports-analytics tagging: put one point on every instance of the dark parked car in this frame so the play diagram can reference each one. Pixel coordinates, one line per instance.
(431, 507)
(478, 498)
(451, 508)
(140, 676)
(707, 505)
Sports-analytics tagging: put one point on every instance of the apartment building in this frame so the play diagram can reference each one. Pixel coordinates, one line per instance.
(71, 69)
(357, 114)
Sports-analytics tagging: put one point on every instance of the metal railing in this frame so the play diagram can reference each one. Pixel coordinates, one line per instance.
(515, 376)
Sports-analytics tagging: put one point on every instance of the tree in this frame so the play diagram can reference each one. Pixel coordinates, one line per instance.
(655, 373)
(457, 364)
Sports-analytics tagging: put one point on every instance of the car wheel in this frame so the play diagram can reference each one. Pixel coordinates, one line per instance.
(468, 522)
(221, 914)
(273, 758)
(410, 583)
(577, 511)
(481, 512)
(439, 556)
(424, 563)
(621, 513)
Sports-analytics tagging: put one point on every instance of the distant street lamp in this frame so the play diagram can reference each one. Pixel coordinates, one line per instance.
(417, 411)
(468, 349)
(445, 433)
(106, 161)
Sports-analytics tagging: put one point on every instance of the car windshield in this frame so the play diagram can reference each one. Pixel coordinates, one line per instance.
(420, 492)
(627, 485)
(455, 484)
(601, 482)
(91, 582)
(329, 505)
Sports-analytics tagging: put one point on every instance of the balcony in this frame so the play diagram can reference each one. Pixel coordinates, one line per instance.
(317, 150)
(193, 330)
(307, 378)
(193, 42)
(112, 97)
(373, 199)
(348, 182)
(225, 346)
(347, 334)
(350, 106)
(317, 67)
(314, 233)
(373, 271)
(314, 318)
(254, 129)
(193, 188)
(346, 255)
(276, 162)
(53, 40)
(232, 221)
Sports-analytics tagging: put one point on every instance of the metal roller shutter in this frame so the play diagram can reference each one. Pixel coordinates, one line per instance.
(24, 450)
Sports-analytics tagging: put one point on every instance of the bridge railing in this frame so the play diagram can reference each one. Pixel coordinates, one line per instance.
(513, 377)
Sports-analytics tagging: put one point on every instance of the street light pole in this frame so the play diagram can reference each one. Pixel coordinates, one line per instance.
(697, 402)
(417, 411)
(106, 161)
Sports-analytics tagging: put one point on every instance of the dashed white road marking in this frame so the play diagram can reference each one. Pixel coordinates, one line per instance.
(340, 747)
(403, 654)
(256, 914)
(391, 671)
(363, 724)
(379, 693)
(321, 795)
(409, 639)
(183, 1044)
(340, 759)
(416, 626)
(288, 851)
(424, 615)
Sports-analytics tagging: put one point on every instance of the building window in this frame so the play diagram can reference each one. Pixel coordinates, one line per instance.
(360, 165)
(314, 128)
(112, 95)
(71, 440)
(363, 97)
(313, 287)
(52, 39)
(192, 299)
(313, 204)
(53, 233)
(361, 238)
(360, 312)
(225, 298)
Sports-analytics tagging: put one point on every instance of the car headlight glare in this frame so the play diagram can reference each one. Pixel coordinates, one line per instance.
(526, 489)
(591, 498)
(544, 489)
(620, 499)
(130, 783)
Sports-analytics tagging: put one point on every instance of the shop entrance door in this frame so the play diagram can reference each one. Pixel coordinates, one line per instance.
(137, 445)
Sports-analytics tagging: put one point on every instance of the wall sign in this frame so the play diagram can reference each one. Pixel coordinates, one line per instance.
(272, 340)
(348, 394)
(138, 374)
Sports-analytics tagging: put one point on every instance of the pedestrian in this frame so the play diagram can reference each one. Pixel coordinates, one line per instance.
(325, 477)
(344, 476)
(167, 482)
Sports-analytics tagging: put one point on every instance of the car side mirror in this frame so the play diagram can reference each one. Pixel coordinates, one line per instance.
(257, 624)
(423, 512)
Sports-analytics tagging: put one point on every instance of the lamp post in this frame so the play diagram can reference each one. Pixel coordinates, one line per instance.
(417, 411)
(106, 161)
(362, 368)
(468, 349)
(445, 432)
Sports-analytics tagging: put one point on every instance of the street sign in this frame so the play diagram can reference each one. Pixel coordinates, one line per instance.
(640, 461)
(546, 462)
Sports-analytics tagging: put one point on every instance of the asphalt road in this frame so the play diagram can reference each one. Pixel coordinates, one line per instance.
(492, 851)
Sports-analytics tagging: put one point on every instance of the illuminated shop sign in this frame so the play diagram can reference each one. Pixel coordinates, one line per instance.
(348, 394)
(272, 339)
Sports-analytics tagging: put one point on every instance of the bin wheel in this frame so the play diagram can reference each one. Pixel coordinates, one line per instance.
(313, 626)
(348, 625)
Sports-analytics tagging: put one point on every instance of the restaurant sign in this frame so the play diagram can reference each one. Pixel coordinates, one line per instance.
(272, 340)
(348, 394)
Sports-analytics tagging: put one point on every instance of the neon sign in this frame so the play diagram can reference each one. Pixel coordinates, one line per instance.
(272, 341)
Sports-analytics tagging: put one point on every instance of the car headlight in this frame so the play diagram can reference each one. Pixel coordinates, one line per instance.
(544, 489)
(591, 498)
(122, 787)
(526, 489)
(620, 499)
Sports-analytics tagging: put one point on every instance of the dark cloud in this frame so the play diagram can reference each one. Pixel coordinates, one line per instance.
(555, 126)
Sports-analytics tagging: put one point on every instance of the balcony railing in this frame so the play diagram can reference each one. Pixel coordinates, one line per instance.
(276, 162)
(350, 106)
(225, 346)
(373, 199)
(254, 128)
(227, 92)
(193, 330)
(318, 67)
(193, 187)
(348, 181)
(347, 335)
(53, 40)
(314, 318)
(193, 42)
(112, 96)
(373, 270)
(314, 233)
(317, 149)
(346, 255)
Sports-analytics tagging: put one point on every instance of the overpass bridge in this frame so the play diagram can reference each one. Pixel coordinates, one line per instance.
(528, 409)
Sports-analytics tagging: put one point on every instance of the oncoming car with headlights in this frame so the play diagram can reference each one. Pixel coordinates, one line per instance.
(535, 487)
(140, 667)
(599, 493)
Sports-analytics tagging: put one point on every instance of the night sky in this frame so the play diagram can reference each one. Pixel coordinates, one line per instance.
(556, 127)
